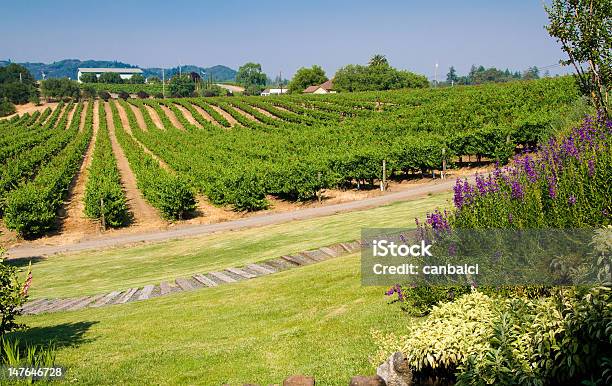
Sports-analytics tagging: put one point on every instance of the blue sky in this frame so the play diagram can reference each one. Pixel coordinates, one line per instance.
(282, 35)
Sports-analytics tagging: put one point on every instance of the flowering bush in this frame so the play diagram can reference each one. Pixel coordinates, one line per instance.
(566, 184)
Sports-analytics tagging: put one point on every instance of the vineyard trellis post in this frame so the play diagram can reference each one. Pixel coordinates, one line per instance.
(383, 182)
(443, 163)
(102, 214)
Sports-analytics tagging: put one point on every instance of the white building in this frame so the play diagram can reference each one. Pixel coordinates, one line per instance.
(274, 91)
(124, 73)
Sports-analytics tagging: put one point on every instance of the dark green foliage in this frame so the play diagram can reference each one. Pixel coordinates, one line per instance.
(375, 78)
(110, 77)
(60, 89)
(123, 95)
(305, 77)
(181, 86)
(142, 95)
(137, 79)
(104, 95)
(89, 77)
(12, 297)
(251, 76)
(6, 107)
(17, 85)
(89, 92)
(104, 182)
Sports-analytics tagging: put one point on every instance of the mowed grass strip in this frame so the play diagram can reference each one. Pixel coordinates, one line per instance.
(313, 320)
(94, 272)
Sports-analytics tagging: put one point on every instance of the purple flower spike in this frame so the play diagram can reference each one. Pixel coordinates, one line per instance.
(572, 200)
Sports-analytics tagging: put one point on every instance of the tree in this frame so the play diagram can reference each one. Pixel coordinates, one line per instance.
(110, 77)
(531, 73)
(181, 86)
(137, 79)
(6, 107)
(89, 77)
(60, 88)
(16, 73)
(153, 80)
(583, 29)
(251, 77)
(376, 78)
(89, 91)
(305, 77)
(378, 60)
(17, 84)
(452, 77)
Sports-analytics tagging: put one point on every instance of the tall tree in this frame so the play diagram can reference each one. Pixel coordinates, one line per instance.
(305, 77)
(251, 75)
(378, 60)
(452, 77)
(584, 29)
(182, 86)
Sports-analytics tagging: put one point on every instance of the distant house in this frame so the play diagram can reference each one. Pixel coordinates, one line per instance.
(323, 88)
(124, 73)
(274, 91)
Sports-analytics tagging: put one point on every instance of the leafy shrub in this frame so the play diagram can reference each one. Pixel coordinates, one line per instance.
(123, 95)
(13, 295)
(491, 340)
(142, 95)
(6, 107)
(104, 95)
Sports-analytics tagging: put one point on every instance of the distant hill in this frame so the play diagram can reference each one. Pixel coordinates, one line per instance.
(68, 68)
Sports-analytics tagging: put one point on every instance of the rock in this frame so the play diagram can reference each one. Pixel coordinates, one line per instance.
(395, 370)
(299, 380)
(360, 380)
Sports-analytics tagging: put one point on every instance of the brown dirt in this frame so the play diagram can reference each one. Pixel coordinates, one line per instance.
(83, 116)
(154, 117)
(222, 218)
(265, 112)
(205, 115)
(139, 118)
(126, 124)
(73, 221)
(31, 108)
(187, 114)
(225, 115)
(249, 116)
(173, 119)
(144, 215)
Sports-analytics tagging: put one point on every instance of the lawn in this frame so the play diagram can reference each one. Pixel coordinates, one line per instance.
(312, 320)
(95, 272)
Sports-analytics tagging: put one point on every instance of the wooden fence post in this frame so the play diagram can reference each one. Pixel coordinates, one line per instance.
(443, 162)
(383, 183)
(102, 214)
